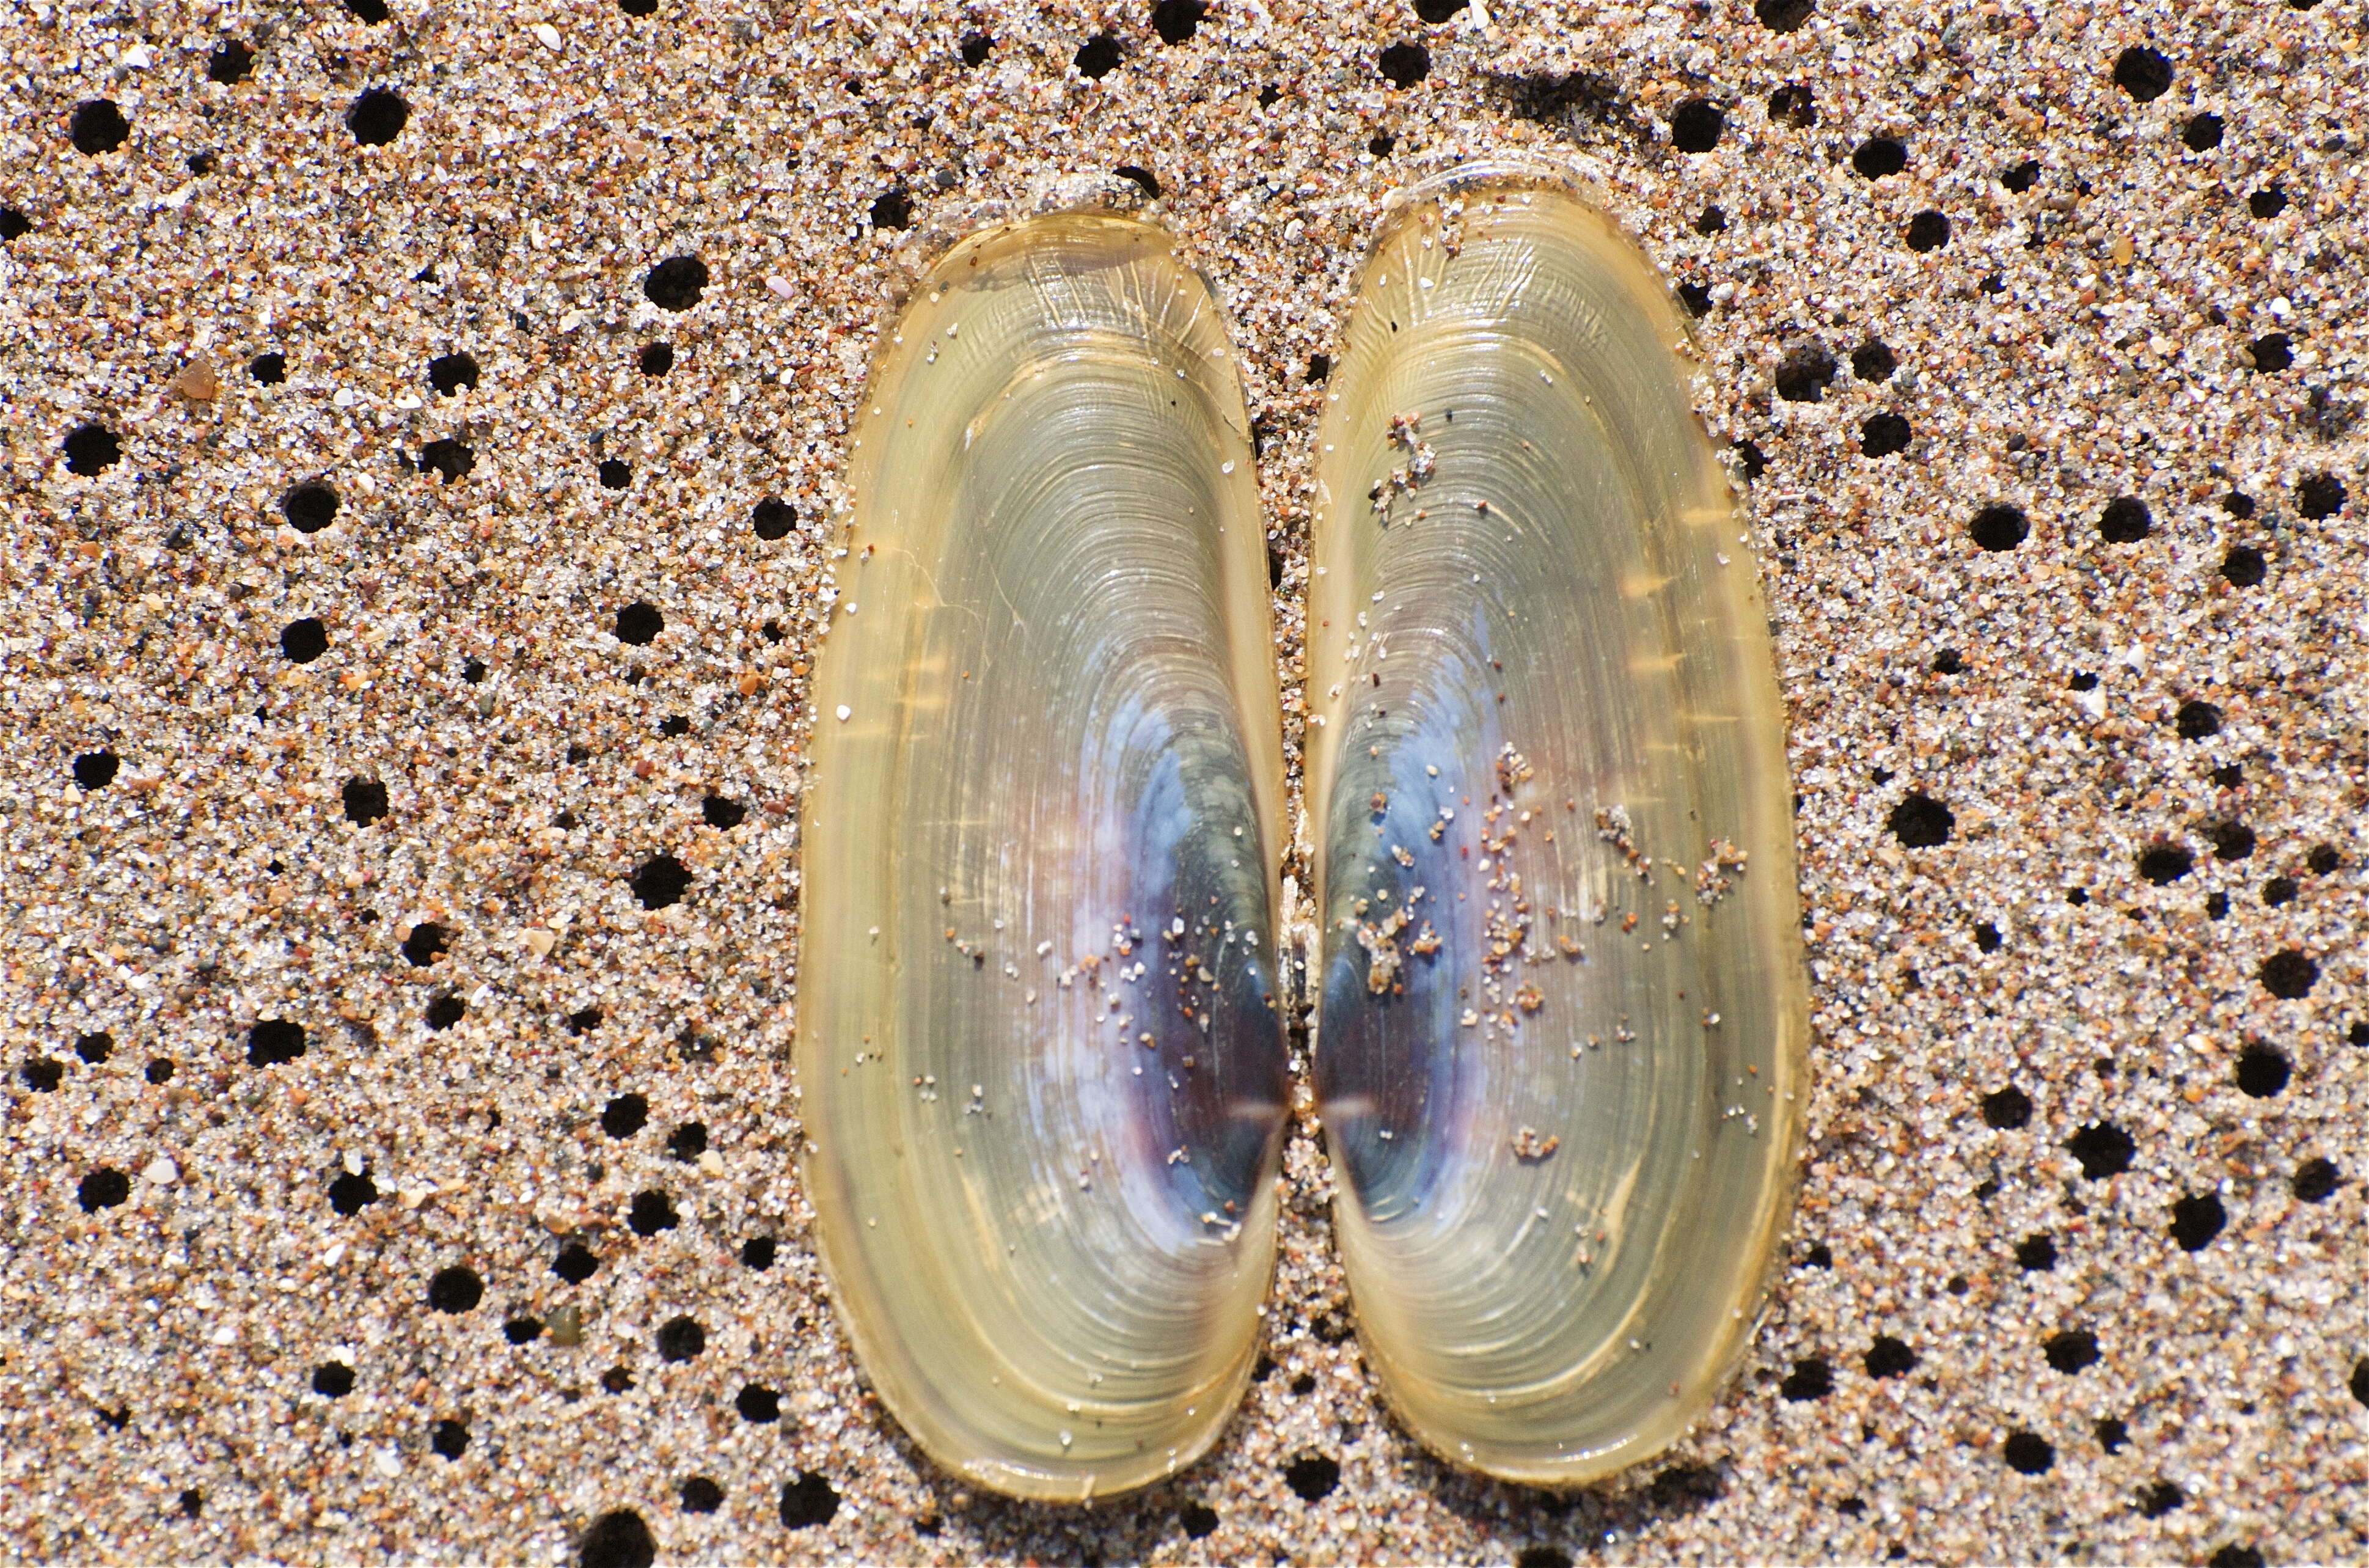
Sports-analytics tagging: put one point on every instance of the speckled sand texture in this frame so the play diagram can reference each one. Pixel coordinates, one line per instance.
(328, 963)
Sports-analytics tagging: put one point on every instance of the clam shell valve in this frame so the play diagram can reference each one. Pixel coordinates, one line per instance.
(1563, 1007)
(1040, 1043)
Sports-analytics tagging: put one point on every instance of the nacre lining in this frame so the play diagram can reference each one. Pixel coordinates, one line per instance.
(1563, 1012)
(1039, 1047)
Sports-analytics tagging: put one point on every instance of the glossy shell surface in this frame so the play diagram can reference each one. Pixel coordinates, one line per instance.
(1563, 1012)
(1039, 1047)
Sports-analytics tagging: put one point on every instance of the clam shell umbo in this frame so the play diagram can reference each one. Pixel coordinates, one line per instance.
(1563, 1011)
(1039, 1047)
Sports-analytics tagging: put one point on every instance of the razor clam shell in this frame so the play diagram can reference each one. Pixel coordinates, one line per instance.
(1040, 1054)
(1563, 1182)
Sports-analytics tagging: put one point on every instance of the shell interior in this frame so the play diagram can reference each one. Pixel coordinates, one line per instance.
(1563, 1009)
(1039, 1043)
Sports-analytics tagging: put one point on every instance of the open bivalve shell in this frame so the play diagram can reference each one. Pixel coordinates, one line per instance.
(1039, 1044)
(1563, 1012)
